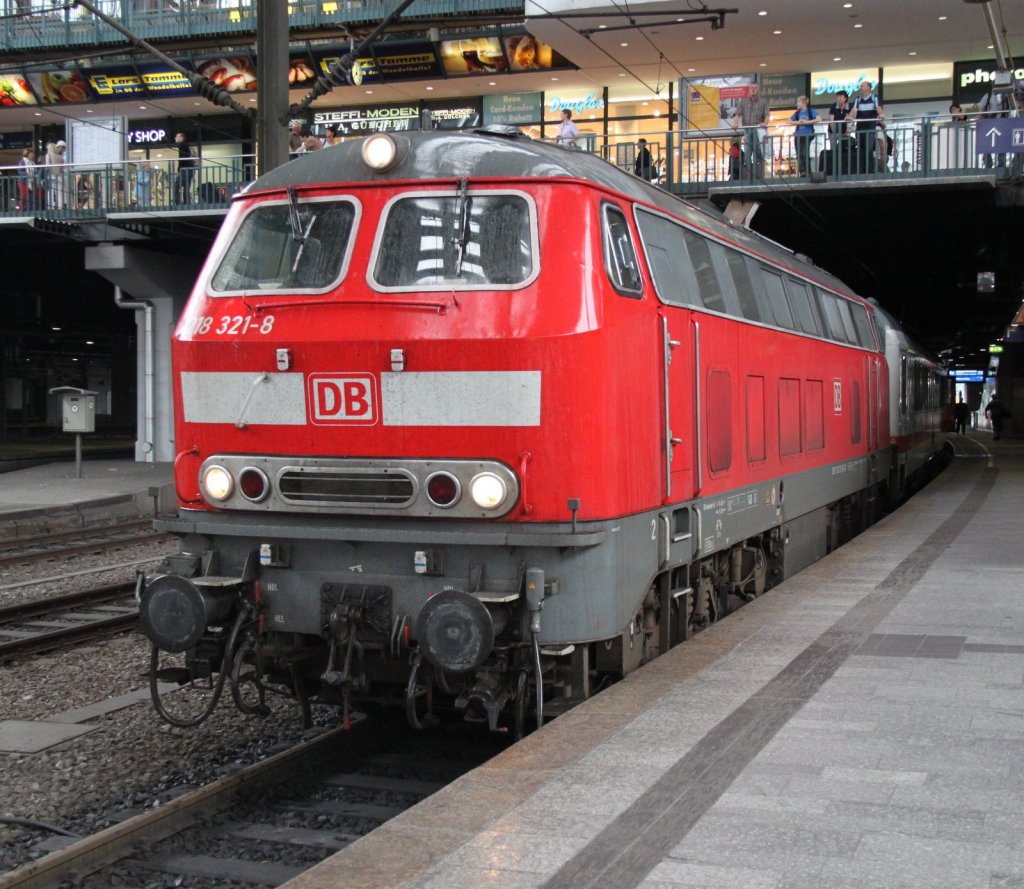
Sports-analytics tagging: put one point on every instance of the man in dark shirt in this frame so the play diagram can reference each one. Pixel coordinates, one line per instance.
(187, 163)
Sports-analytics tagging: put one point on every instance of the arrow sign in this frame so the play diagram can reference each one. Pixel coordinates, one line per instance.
(1005, 135)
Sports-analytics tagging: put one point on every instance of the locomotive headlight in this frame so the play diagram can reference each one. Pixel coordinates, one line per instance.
(217, 483)
(488, 490)
(380, 152)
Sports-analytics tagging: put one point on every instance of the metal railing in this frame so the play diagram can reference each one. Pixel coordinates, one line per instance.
(53, 23)
(94, 191)
(921, 148)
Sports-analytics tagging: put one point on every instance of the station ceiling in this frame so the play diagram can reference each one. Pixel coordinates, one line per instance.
(918, 253)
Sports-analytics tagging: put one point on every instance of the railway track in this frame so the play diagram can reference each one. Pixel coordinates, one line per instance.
(268, 822)
(49, 623)
(63, 544)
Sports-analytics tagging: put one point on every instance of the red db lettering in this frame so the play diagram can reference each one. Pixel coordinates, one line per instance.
(342, 399)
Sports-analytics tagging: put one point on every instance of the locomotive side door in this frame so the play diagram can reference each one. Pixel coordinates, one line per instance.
(680, 408)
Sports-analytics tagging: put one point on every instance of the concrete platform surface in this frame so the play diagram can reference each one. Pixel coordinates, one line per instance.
(859, 726)
(52, 497)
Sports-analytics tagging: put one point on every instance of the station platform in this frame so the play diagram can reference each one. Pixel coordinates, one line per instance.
(861, 725)
(51, 497)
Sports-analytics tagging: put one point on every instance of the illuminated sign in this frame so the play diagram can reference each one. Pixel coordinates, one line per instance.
(136, 137)
(995, 350)
(590, 102)
(358, 121)
(513, 108)
(968, 376)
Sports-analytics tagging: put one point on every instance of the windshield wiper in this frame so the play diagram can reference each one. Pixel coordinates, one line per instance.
(299, 235)
(462, 232)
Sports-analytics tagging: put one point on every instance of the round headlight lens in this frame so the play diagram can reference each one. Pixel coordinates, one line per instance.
(488, 490)
(380, 152)
(253, 484)
(217, 483)
(443, 489)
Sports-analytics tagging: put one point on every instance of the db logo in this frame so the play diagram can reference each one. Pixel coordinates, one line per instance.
(349, 399)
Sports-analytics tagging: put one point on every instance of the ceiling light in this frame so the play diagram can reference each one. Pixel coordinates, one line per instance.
(837, 58)
(764, 64)
(858, 26)
(554, 78)
(943, 18)
(691, 70)
(847, 5)
(142, 108)
(429, 88)
(623, 44)
(38, 113)
(700, 38)
(623, 74)
(912, 53)
(491, 83)
(601, 27)
(776, 32)
(763, 12)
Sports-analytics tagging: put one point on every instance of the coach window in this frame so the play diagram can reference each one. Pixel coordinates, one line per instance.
(619, 256)
(455, 241)
(663, 245)
(777, 300)
(274, 251)
(800, 301)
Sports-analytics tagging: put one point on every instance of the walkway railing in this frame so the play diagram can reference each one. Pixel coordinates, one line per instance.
(32, 24)
(94, 191)
(685, 163)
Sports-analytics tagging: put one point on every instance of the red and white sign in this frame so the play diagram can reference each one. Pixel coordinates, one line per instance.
(343, 399)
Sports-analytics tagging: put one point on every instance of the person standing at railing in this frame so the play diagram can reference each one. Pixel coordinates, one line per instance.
(26, 181)
(838, 139)
(568, 132)
(867, 112)
(643, 166)
(56, 187)
(804, 117)
(187, 165)
(752, 115)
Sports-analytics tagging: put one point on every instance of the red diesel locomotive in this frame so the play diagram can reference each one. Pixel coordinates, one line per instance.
(472, 416)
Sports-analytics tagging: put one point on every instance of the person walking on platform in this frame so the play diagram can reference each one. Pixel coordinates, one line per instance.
(997, 413)
(961, 414)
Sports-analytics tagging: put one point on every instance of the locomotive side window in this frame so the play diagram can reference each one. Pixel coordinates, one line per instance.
(777, 300)
(863, 325)
(699, 251)
(848, 326)
(273, 252)
(662, 243)
(449, 241)
(830, 304)
(619, 256)
(741, 280)
(800, 301)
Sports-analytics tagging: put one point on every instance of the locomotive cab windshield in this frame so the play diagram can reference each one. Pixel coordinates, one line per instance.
(266, 254)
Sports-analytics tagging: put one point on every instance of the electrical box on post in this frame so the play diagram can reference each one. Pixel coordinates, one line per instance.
(78, 408)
